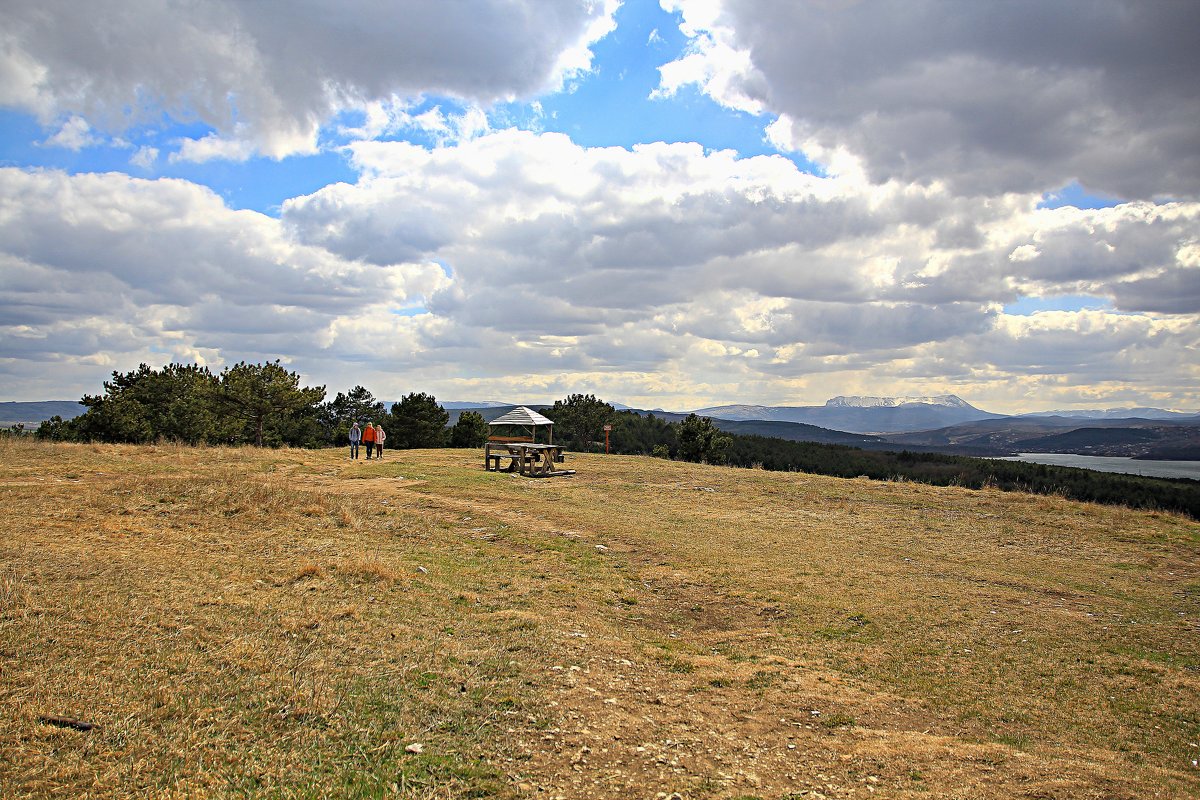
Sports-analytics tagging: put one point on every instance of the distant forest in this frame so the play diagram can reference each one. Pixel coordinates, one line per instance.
(647, 435)
(265, 404)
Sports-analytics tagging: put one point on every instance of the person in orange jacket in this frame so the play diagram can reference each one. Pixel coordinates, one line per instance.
(368, 439)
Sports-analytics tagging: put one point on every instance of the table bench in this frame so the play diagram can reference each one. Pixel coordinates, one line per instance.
(526, 458)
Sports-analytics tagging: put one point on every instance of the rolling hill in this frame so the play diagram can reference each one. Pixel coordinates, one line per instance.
(867, 415)
(289, 623)
(1136, 438)
(32, 414)
(1139, 412)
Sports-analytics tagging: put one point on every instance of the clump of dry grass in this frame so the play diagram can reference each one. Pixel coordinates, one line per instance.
(369, 569)
(14, 591)
(349, 611)
(306, 571)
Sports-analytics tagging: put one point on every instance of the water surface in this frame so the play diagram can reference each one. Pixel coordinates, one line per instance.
(1155, 469)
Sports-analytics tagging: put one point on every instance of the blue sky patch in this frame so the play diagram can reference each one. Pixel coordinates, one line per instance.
(1028, 306)
(1075, 195)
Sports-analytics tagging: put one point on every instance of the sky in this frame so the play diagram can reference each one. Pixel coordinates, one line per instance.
(665, 203)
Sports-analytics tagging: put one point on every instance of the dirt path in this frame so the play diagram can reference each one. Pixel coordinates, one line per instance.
(688, 690)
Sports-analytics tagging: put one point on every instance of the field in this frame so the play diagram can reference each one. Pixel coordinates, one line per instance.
(245, 623)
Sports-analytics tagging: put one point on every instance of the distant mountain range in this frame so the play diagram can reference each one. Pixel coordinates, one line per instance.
(1135, 438)
(459, 405)
(949, 424)
(1117, 413)
(857, 401)
(945, 423)
(870, 415)
(33, 414)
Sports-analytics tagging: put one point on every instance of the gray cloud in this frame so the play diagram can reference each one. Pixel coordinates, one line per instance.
(164, 242)
(1021, 96)
(1090, 348)
(864, 329)
(561, 275)
(97, 270)
(1169, 292)
(793, 276)
(271, 71)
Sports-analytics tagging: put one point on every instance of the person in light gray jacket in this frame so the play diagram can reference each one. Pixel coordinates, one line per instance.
(355, 438)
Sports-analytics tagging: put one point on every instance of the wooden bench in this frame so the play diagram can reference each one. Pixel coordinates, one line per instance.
(491, 461)
(536, 460)
(515, 440)
(493, 458)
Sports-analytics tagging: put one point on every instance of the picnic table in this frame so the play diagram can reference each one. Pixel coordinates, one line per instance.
(526, 458)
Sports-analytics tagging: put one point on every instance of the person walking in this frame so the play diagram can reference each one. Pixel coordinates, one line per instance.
(355, 437)
(368, 439)
(379, 437)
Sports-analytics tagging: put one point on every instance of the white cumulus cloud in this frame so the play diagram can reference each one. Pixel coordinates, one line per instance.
(75, 134)
(99, 272)
(559, 251)
(270, 73)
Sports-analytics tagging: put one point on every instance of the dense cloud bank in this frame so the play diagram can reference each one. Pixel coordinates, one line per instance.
(989, 97)
(525, 254)
(512, 264)
(105, 269)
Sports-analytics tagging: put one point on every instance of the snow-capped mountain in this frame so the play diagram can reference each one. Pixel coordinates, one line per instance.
(856, 401)
(1117, 413)
(458, 405)
(864, 414)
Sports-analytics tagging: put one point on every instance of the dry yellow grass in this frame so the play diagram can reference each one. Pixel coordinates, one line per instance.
(244, 623)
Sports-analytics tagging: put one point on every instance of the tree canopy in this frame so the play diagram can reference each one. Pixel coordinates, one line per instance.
(417, 421)
(262, 393)
(471, 430)
(145, 405)
(579, 420)
(700, 440)
(358, 405)
(187, 403)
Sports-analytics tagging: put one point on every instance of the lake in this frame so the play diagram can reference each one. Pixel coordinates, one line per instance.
(1156, 469)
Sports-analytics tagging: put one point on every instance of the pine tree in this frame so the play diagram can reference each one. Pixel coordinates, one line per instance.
(359, 405)
(263, 393)
(579, 420)
(418, 421)
(700, 440)
(471, 430)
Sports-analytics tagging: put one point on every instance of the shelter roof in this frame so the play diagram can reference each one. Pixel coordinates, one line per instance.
(522, 416)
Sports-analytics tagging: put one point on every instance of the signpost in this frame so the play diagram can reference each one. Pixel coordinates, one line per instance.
(607, 428)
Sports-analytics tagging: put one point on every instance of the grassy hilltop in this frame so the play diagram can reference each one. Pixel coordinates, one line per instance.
(241, 622)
